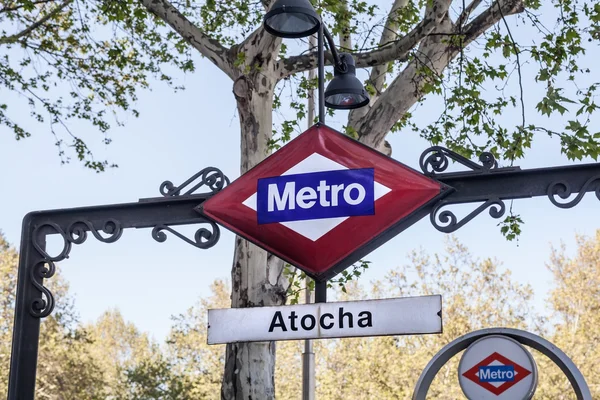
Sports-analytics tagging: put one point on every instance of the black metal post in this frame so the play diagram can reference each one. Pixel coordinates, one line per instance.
(321, 292)
(331, 45)
(26, 329)
(321, 74)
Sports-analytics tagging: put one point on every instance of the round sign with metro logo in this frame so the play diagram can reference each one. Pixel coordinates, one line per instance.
(497, 367)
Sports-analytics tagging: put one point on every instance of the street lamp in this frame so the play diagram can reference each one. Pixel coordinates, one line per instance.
(345, 91)
(297, 19)
(292, 19)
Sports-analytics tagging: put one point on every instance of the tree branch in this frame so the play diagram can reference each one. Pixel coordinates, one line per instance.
(257, 53)
(14, 38)
(345, 38)
(492, 15)
(377, 76)
(207, 46)
(434, 54)
(464, 16)
(267, 4)
(15, 8)
(378, 72)
(397, 50)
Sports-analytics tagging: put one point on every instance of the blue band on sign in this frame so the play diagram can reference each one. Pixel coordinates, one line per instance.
(497, 373)
(316, 195)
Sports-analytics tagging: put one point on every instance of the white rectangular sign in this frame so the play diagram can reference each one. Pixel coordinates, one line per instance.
(402, 316)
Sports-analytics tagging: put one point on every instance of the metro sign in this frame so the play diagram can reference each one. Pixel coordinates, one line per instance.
(323, 201)
(496, 373)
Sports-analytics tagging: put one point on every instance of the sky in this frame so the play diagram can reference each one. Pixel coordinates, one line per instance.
(178, 134)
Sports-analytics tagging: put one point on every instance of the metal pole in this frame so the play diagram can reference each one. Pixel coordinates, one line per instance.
(321, 287)
(321, 67)
(321, 292)
(308, 357)
(308, 360)
(26, 329)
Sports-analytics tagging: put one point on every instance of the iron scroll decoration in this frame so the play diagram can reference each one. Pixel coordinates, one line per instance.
(45, 266)
(563, 190)
(435, 161)
(204, 238)
(111, 229)
(210, 177)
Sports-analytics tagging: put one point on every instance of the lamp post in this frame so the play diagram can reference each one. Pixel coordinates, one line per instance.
(297, 19)
(293, 19)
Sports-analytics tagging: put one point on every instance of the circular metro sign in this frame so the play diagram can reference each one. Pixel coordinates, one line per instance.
(499, 368)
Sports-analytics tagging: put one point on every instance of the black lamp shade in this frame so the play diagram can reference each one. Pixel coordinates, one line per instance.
(345, 91)
(292, 19)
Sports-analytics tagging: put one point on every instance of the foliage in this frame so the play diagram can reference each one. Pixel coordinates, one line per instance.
(108, 51)
(477, 294)
(76, 361)
(489, 78)
(153, 379)
(190, 356)
(117, 346)
(298, 278)
(575, 302)
(75, 59)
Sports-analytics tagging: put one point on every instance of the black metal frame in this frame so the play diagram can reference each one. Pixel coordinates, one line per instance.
(106, 224)
(491, 185)
(485, 183)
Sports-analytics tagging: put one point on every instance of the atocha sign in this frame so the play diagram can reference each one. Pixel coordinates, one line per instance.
(403, 316)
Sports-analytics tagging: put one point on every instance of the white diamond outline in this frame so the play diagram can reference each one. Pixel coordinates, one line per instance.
(310, 228)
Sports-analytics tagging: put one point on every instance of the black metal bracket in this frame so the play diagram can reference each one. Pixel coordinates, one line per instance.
(106, 223)
(490, 185)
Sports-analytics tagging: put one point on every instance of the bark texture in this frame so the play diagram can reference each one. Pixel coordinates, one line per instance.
(257, 277)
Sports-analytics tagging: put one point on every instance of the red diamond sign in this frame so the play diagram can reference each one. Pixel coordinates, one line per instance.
(496, 373)
(323, 201)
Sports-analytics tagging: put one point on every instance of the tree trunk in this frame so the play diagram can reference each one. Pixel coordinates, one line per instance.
(257, 277)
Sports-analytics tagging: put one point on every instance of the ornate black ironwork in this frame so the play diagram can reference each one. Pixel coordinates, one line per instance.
(563, 190)
(203, 238)
(43, 306)
(73, 229)
(490, 185)
(45, 266)
(436, 160)
(448, 222)
(211, 177)
(77, 231)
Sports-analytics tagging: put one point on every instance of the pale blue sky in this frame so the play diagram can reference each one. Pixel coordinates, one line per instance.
(180, 133)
